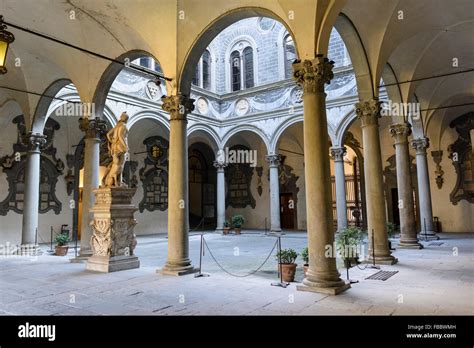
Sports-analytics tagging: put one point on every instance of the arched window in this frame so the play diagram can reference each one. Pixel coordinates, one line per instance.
(197, 75)
(242, 72)
(202, 74)
(206, 70)
(290, 55)
(248, 67)
(235, 71)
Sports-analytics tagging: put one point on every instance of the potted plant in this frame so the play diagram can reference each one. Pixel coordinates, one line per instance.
(237, 222)
(392, 230)
(226, 227)
(287, 265)
(305, 257)
(62, 246)
(348, 241)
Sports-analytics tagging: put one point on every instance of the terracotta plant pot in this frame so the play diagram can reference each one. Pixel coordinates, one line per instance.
(305, 269)
(237, 230)
(226, 230)
(288, 271)
(61, 250)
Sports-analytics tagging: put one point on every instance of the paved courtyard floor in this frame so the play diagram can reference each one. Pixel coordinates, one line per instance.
(437, 280)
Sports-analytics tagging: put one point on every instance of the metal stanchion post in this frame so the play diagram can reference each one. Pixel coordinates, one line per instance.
(373, 252)
(75, 248)
(201, 254)
(348, 265)
(51, 241)
(281, 282)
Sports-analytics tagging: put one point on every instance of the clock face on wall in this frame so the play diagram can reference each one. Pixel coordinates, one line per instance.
(202, 106)
(242, 107)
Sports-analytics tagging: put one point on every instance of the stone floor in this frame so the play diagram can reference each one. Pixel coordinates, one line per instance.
(435, 280)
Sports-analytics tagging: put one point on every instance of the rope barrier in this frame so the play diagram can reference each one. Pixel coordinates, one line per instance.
(239, 275)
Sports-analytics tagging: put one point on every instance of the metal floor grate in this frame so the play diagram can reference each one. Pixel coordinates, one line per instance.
(435, 244)
(382, 275)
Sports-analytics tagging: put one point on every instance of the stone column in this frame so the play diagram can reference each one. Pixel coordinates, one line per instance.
(408, 239)
(273, 164)
(31, 194)
(220, 195)
(178, 262)
(424, 191)
(341, 205)
(93, 129)
(322, 275)
(369, 112)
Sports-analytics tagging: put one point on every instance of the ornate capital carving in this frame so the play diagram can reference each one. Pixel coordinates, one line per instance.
(400, 132)
(220, 165)
(273, 160)
(178, 106)
(35, 141)
(420, 145)
(313, 74)
(338, 153)
(93, 127)
(368, 112)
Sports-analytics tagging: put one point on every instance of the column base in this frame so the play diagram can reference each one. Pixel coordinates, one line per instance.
(177, 269)
(428, 235)
(410, 245)
(323, 288)
(108, 264)
(220, 230)
(28, 250)
(382, 260)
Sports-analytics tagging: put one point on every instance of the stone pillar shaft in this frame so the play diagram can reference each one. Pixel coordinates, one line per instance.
(178, 262)
(424, 191)
(322, 274)
(406, 207)
(369, 112)
(93, 128)
(340, 178)
(220, 195)
(273, 164)
(32, 182)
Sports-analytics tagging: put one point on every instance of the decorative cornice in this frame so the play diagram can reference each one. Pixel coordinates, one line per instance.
(368, 112)
(178, 106)
(420, 145)
(93, 127)
(220, 165)
(34, 141)
(338, 153)
(273, 160)
(400, 132)
(313, 74)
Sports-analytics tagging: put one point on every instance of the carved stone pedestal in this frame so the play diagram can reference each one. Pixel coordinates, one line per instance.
(113, 240)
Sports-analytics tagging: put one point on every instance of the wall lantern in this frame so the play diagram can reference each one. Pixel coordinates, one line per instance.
(6, 38)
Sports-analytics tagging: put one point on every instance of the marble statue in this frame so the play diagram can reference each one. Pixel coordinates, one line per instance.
(118, 149)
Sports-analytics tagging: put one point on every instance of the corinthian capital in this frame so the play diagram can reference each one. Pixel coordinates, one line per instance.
(273, 160)
(337, 153)
(220, 165)
(400, 132)
(93, 127)
(368, 111)
(178, 106)
(313, 74)
(420, 145)
(34, 141)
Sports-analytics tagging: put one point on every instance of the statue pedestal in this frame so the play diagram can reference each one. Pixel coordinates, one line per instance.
(113, 240)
